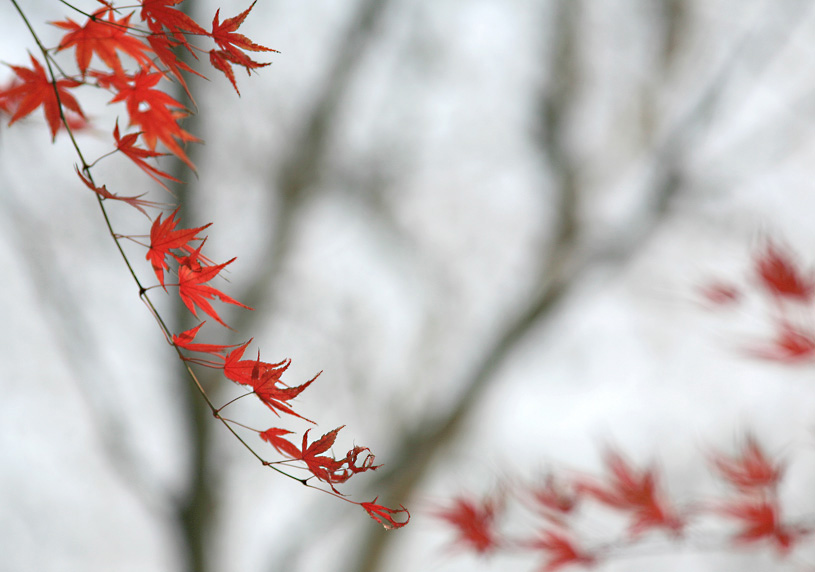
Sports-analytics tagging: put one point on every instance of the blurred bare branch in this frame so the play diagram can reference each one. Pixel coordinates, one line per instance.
(413, 455)
(297, 177)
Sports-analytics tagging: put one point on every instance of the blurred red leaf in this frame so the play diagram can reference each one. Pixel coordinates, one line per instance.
(637, 493)
(34, 89)
(721, 294)
(790, 345)
(474, 522)
(554, 496)
(760, 520)
(780, 275)
(561, 551)
(752, 471)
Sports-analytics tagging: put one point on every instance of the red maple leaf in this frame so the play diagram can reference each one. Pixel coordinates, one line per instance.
(221, 61)
(164, 237)
(135, 202)
(127, 145)
(780, 275)
(636, 493)
(242, 371)
(35, 89)
(160, 14)
(761, 520)
(154, 111)
(263, 381)
(790, 345)
(103, 38)
(367, 464)
(163, 48)
(474, 522)
(195, 292)
(231, 44)
(186, 341)
(263, 378)
(325, 468)
(751, 471)
(384, 515)
(274, 436)
(561, 551)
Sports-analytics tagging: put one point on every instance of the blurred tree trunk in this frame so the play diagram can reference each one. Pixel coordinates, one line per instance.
(294, 178)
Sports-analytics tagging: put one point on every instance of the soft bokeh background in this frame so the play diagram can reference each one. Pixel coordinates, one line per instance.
(486, 221)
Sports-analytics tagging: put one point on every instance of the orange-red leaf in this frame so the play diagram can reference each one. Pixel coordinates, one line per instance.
(163, 48)
(196, 293)
(222, 61)
(103, 38)
(135, 202)
(367, 464)
(185, 340)
(231, 45)
(160, 14)
(264, 383)
(325, 468)
(384, 515)
(35, 89)
(155, 112)
(164, 237)
(243, 371)
(274, 436)
(128, 146)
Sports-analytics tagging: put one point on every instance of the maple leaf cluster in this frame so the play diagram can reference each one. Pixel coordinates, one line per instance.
(751, 505)
(788, 293)
(558, 505)
(154, 112)
(136, 63)
(753, 479)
